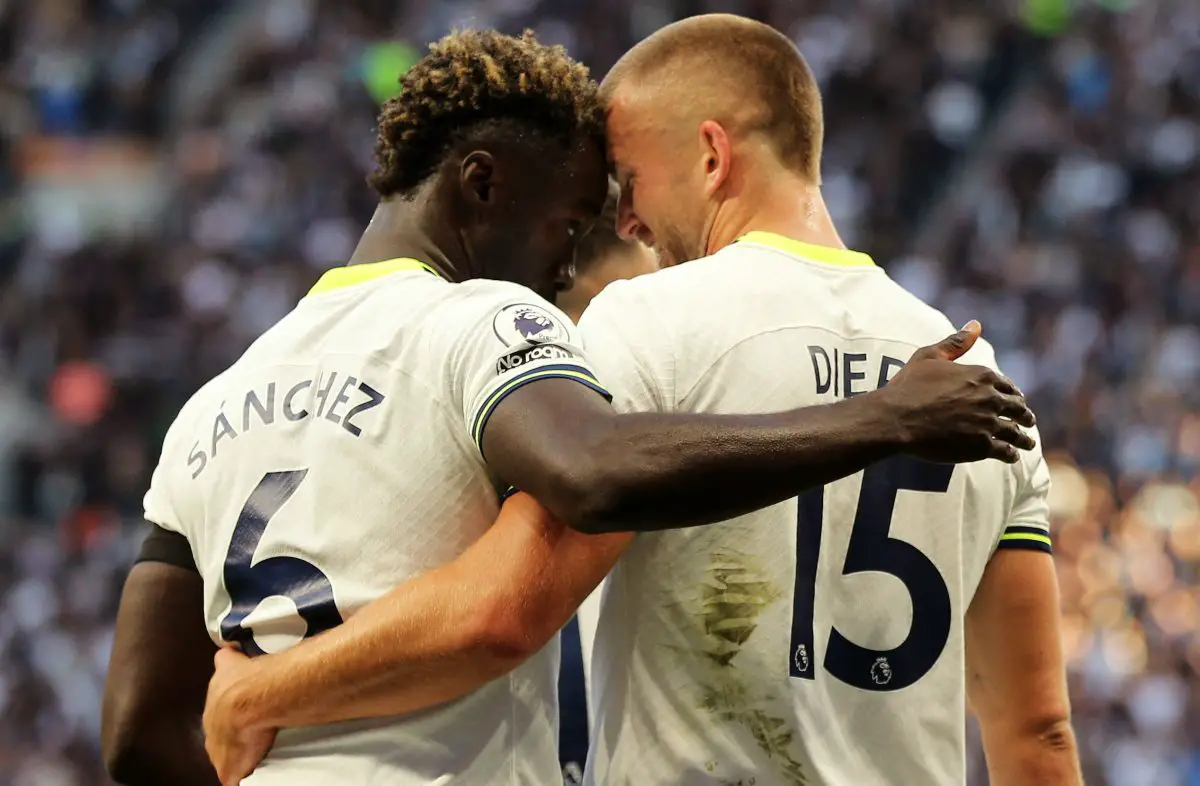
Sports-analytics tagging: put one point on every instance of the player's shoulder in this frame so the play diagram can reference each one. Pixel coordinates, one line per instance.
(486, 290)
(926, 324)
(194, 418)
(692, 275)
(181, 456)
(723, 280)
(207, 397)
(513, 312)
(444, 314)
(420, 298)
(663, 296)
(483, 294)
(702, 308)
(905, 315)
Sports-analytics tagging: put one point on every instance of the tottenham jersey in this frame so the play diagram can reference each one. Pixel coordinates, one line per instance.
(340, 456)
(818, 641)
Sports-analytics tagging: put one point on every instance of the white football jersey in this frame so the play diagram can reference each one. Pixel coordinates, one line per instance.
(818, 641)
(588, 617)
(340, 456)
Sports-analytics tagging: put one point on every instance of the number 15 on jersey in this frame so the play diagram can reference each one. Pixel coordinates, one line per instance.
(872, 548)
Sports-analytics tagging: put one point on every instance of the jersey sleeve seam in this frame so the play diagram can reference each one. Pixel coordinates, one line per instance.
(1027, 523)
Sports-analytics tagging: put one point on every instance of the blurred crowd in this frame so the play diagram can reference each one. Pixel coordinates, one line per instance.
(173, 175)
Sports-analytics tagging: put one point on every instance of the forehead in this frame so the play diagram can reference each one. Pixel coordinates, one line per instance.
(630, 123)
(580, 180)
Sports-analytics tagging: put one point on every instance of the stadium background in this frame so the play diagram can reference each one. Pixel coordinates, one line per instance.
(174, 174)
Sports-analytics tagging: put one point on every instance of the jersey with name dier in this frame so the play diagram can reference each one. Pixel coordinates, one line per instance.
(818, 641)
(340, 456)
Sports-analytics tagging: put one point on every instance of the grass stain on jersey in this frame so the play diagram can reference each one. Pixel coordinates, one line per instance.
(731, 603)
(773, 736)
(727, 607)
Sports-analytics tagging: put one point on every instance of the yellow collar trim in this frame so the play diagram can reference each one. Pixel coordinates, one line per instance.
(842, 257)
(341, 277)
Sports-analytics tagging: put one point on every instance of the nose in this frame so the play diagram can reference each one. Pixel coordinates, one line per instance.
(564, 274)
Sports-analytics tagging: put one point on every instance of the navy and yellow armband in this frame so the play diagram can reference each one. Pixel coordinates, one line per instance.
(580, 374)
(1029, 538)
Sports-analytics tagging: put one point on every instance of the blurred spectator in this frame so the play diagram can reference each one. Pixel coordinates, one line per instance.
(173, 175)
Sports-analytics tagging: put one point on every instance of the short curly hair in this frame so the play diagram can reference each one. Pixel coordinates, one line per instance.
(472, 83)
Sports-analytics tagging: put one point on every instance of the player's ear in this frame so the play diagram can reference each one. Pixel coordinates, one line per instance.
(714, 143)
(478, 177)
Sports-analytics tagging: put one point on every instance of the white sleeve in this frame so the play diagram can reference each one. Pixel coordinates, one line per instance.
(630, 349)
(157, 505)
(1028, 524)
(510, 337)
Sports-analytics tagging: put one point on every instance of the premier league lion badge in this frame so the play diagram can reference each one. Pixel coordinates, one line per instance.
(523, 322)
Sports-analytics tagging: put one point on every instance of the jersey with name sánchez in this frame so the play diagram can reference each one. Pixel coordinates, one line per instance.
(818, 642)
(339, 456)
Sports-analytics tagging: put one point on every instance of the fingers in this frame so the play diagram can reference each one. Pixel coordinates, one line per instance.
(1006, 385)
(1007, 442)
(1005, 397)
(232, 762)
(226, 761)
(1010, 433)
(215, 755)
(226, 656)
(952, 347)
(1015, 409)
(1002, 451)
(241, 771)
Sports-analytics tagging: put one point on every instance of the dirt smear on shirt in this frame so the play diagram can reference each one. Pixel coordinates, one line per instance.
(726, 608)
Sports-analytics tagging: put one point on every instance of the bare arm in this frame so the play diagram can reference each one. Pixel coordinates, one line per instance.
(160, 667)
(434, 638)
(604, 472)
(1016, 681)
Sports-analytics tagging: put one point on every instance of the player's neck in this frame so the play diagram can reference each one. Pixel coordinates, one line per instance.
(399, 230)
(780, 210)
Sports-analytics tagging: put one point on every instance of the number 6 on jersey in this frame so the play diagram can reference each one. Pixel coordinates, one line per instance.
(872, 548)
(249, 584)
